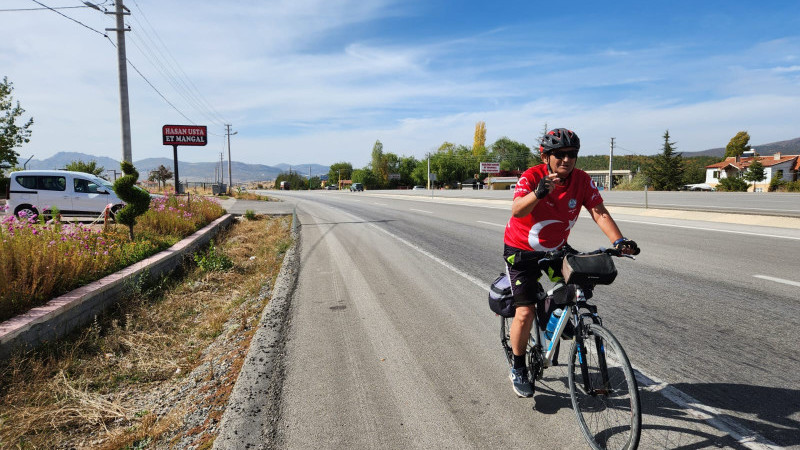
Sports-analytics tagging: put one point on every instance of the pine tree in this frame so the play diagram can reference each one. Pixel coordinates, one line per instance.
(479, 144)
(666, 170)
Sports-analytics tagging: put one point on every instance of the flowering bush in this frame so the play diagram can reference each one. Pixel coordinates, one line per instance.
(40, 260)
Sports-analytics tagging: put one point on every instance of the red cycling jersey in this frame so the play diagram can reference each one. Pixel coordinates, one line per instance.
(547, 227)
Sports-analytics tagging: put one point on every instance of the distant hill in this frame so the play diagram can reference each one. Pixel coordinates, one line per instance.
(790, 147)
(205, 171)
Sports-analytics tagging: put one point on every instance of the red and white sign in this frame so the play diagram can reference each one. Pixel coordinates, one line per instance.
(490, 167)
(185, 134)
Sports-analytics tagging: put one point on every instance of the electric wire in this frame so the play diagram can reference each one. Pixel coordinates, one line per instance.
(70, 18)
(41, 9)
(178, 66)
(151, 85)
(174, 70)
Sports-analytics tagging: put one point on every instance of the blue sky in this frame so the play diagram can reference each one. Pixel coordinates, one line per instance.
(313, 81)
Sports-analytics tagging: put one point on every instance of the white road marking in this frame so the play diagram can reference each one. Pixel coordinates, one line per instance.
(379, 204)
(746, 437)
(750, 233)
(778, 280)
(421, 210)
(734, 208)
(491, 223)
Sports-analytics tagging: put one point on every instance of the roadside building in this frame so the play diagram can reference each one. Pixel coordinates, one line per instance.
(784, 167)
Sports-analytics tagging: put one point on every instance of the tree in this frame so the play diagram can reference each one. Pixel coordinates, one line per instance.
(12, 135)
(162, 174)
(479, 144)
(755, 172)
(738, 144)
(343, 169)
(512, 155)
(379, 165)
(137, 200)
(90, 167)
(294, 179)
(666, 170)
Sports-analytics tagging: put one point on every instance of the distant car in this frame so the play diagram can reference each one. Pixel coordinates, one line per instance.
(357, 187)
(418, 188)
(330, 187)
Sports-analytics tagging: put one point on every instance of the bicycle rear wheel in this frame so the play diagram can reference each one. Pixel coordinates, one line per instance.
(604, 392)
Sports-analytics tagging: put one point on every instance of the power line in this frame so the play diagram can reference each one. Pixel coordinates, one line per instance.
(70, 18)
(41, 9)
(172, 69)
(151, 85)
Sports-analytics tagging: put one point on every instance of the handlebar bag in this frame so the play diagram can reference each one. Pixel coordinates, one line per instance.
(501, 301)
(589, 269)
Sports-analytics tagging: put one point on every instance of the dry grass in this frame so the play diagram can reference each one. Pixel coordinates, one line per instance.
(101, 387)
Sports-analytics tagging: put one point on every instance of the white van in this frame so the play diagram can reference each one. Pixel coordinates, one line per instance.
(73, 193)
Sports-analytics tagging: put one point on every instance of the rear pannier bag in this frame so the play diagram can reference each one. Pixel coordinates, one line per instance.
(501, 301)
(589, 269)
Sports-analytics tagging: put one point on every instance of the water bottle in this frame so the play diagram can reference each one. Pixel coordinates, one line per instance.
(552, 324)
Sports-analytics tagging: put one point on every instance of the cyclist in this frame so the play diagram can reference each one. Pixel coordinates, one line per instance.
(547, 201)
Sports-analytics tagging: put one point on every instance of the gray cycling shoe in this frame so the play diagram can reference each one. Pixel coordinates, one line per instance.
(521, 383)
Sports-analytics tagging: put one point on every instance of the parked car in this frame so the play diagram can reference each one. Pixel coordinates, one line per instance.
(418, 188)
(357, 187)
(331, 187)
(73, 193)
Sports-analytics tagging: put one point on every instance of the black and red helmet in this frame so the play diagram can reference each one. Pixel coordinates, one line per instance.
(559, 138)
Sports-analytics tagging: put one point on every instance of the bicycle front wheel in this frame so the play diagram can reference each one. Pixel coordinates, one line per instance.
(604, 393)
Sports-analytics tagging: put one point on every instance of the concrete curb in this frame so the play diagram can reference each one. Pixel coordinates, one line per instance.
(79, 307)
(250, 417)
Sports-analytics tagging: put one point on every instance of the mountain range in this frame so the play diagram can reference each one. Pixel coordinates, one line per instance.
(205, 171)
(244, 172)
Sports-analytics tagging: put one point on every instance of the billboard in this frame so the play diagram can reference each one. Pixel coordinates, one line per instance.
(185, 134)
(490, 167)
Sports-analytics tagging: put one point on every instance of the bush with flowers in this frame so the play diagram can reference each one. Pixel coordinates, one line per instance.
(40, 260)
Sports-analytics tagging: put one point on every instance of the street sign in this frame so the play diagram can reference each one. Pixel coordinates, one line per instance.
(394, 176)
(185, 135)
(490, 167)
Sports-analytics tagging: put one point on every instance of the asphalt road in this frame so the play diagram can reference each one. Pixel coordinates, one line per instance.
(392, 345)
(779, 204)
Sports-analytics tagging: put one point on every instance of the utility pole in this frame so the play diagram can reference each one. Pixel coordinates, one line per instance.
(122, 64)
(610, 167)
(230, 177)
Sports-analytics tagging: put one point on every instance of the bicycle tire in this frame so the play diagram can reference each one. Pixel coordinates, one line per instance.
(609, 412)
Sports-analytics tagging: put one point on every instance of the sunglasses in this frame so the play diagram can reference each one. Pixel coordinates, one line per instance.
(561, 155)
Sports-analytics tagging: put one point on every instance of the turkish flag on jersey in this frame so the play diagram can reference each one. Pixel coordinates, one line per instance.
(547, 227)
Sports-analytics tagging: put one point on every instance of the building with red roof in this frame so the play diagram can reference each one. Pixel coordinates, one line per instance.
(781, 166)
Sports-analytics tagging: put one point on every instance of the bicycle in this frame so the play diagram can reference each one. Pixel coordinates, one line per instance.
(602, 385)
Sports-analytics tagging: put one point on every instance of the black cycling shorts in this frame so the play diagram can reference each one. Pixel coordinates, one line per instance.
(524, 279)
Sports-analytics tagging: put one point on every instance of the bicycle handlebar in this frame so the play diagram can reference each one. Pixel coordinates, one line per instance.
(542, 258)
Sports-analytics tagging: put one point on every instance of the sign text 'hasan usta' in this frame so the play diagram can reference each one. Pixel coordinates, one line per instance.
(185, 134)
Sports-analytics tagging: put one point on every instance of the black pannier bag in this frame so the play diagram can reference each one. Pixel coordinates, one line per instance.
(589, 269)
(501, 301)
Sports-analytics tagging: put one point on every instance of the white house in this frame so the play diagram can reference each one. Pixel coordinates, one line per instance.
(782, 166)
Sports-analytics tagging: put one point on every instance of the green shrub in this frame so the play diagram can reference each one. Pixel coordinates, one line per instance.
(211, 260)
(137, 200)
(732, 185)
(250, 214)
(775, 184)
(793, 186)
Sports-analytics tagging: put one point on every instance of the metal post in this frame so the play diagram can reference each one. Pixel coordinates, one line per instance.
(610, 167)
(230, 176)
(122, 64)
(177, 180)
